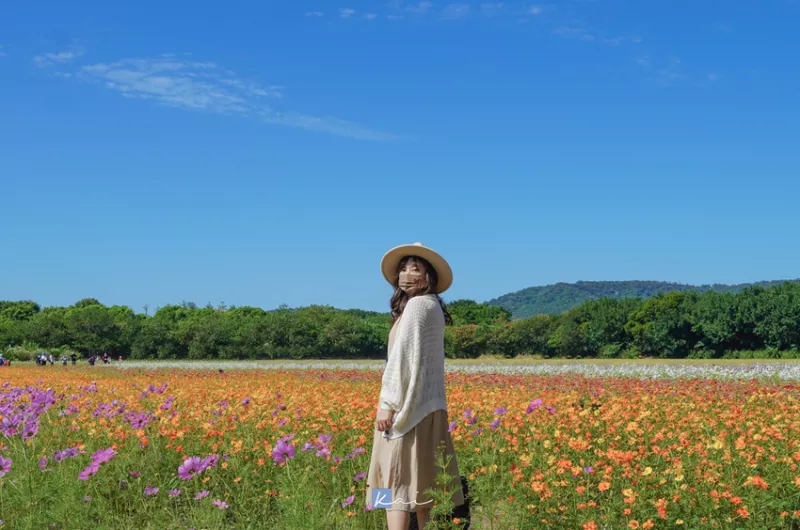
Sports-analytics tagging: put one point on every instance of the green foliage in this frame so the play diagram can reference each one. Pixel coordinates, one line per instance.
(471, 312)
(678, 324)
(561, 297)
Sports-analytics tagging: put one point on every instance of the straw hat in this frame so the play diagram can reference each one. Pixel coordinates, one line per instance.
(391, 260)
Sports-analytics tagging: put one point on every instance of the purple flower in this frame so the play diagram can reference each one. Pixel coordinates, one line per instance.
(323, 451)
(150, 491)
(209, 462)
(359, 476)
(467, 414)
(43, 463)
(369, 507)
(139, 421)
(452, 426)
(103, 455)
(473, 420)
(476, 432)
(348, 501)
(500, 411)
(70, 452)
(87, 499)
(495, 424)
(355, 452)
(283, 451)
(5, 465)
(222, 505)
(588, 469)
(201, 495)
(283, 422)
(307, 446)
(30, 430)
(135, 474)
(89, 471)
(551, 410)
(535, 404)
(245, 401)
(324, 438)
(191, 466)
(174, 493)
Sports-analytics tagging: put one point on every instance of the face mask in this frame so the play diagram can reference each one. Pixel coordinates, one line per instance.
(411, 281)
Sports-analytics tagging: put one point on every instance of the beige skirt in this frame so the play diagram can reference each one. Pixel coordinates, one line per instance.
(408, 465)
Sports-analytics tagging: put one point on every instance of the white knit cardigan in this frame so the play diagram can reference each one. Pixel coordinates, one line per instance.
(413, 380)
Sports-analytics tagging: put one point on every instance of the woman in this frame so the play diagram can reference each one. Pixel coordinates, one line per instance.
(411, 424)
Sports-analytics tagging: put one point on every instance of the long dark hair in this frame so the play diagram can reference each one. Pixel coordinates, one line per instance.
(400, 298)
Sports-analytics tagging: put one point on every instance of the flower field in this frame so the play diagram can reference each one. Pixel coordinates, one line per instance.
(281, 448)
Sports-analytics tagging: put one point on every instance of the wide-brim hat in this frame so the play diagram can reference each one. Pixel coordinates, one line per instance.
(391, 260)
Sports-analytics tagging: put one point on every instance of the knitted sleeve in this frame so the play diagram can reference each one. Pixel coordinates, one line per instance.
(403, 366)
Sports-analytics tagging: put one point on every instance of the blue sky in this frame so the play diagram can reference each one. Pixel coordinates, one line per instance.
(261, 153)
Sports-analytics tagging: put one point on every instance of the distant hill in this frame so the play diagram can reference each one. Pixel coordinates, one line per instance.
(554, 299)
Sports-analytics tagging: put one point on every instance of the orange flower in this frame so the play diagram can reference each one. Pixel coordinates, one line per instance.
(590, 525)
(743, 513)
(604, 486)
(633, 524)
(756, 481)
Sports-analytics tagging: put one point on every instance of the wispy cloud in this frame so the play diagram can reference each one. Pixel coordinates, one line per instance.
(663, 72)
(491, 8)
(2, 53)
(315, 14)
(455, 11)
(535, 10)
(181, 83)
(52, 59)
(370, 16)
(346, 12)
(420, 8)
(584, 34)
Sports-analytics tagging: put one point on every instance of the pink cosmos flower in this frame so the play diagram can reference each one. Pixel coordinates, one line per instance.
(5, 465)
(190, 467)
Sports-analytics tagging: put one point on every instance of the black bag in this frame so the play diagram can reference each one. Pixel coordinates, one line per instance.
(462, 512)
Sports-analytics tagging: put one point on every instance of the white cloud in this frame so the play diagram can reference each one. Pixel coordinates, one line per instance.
(315, 14)
(664, 73)
(712, 76)
(370, 16)
(202, 86)
(455, 11)
(491, 7)
(2, 53)
(568, 31)
(347, 13)
(51, 59)
(419, 8)
(535, 10)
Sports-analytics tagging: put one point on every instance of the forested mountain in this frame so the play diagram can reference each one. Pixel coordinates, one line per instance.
(555, 299)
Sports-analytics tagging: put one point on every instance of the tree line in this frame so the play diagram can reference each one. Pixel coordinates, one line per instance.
(671, 325)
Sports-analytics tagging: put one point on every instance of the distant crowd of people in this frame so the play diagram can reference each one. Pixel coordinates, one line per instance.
(44, 358)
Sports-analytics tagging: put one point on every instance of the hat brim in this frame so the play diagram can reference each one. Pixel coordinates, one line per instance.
(391, 260)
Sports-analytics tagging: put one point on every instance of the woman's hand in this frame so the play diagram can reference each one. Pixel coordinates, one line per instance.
(384, 420)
